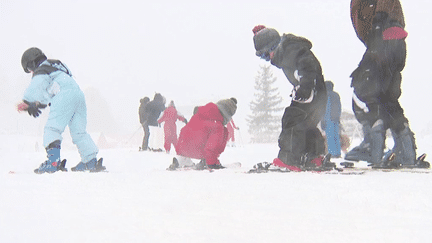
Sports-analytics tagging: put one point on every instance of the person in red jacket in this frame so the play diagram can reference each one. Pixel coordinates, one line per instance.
(231, 126)
(170, 116)
(205, 136)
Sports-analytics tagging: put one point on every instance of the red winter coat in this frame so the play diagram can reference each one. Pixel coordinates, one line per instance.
(170, 116)
(204, 137)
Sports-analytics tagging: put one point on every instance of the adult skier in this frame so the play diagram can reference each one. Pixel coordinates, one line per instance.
(205, 136)
(301, 143)
(152, 112)
(52, 84)
(380, 24)
(142, 117)
(170, 116)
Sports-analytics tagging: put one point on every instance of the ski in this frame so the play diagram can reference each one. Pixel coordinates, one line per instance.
(60, 167)
(201, 167)
(421, 167)
(265, 167)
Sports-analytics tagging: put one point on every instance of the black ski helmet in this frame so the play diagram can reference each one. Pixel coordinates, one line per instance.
(32, 58)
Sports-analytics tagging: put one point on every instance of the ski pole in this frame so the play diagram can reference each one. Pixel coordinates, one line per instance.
(133, 135)
(241, 138)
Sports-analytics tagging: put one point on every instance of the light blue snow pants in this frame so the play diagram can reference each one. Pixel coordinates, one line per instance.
(68, 108)
(333, 138)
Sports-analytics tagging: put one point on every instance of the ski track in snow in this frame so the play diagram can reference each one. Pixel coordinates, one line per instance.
(138, 200)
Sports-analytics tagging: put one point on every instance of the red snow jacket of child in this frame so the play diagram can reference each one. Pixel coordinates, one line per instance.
(204, 136)
(170, 116)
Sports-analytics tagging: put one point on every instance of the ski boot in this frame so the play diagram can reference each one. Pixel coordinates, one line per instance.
(363, 151)
(421, 163)
(53, 163)
(404, 150)
(289, 160)
(377, 143)
(202, 165)
(92, 166)
(175, 164)
(403, 154)
(317, 163)
(215, 167)
(327, 164)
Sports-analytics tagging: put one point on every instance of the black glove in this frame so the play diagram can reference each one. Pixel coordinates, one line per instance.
(302, 94)
(34, 108)
(185, 121)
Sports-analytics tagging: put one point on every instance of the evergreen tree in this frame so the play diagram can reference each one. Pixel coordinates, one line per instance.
(265, 123)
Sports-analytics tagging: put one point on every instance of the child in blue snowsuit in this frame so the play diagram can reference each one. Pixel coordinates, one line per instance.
(52, 84)
(331, 121)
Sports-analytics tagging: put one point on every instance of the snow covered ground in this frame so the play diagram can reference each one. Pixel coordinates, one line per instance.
(139, 201)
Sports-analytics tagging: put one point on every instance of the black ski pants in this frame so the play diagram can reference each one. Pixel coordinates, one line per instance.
(300, 135)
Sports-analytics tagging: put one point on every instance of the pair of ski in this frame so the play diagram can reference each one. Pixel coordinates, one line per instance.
(62, 166)
(201, 167)
(322, 166)
(266, 167)
(389, 165)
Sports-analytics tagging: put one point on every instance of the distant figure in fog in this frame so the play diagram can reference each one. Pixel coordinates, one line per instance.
(231, 126)
(170, 116)
(331, 122)
(152, 112)
(143, 103)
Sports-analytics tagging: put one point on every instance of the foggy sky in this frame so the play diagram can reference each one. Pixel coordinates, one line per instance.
(192, 52)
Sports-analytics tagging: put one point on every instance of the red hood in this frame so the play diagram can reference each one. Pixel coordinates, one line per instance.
(171, 112)
(210, 112)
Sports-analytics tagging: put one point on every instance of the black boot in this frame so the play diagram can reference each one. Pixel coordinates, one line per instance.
(404, 147)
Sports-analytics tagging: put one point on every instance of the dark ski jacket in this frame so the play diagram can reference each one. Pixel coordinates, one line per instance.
(153, 110)
(363, 12)
(384, 59)
(143, 104)
(301, 67)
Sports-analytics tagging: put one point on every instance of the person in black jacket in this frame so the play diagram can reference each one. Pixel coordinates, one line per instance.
(301, 142)
(151, 115)
(143, 103)
(331, 122)
(377, 85)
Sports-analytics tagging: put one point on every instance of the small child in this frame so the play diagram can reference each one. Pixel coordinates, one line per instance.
(170, 116)
(301, 143)
(52, 84)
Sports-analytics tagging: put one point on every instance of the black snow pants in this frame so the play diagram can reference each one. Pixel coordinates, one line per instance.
(300, 138)
(377, 84)
(146, 137)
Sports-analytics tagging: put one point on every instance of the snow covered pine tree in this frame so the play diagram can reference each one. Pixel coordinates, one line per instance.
(264, 123)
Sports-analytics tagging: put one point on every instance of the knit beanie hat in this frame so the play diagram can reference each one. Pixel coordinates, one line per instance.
(329, 85)
(227, 108)
(145, 100)
(265, 40)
